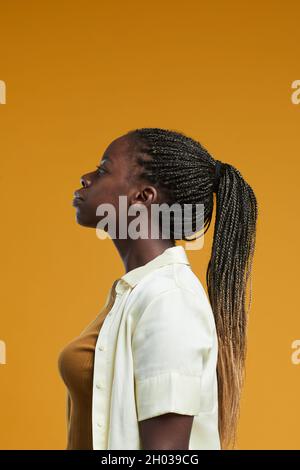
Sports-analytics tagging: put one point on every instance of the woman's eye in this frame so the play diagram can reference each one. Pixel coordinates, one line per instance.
(100, 170)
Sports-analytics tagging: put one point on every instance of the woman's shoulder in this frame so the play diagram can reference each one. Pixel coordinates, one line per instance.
(168, 278)
(169, 282)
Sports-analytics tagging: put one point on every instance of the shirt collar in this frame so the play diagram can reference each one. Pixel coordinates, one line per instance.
(174, 254)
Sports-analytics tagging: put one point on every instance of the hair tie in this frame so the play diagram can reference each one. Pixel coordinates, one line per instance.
(219, 171)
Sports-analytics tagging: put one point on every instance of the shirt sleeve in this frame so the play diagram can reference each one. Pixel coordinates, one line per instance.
(170, 345)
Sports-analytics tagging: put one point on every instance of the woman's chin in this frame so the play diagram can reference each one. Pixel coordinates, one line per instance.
(83, 220)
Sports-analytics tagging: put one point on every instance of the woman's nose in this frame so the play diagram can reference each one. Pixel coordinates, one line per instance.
(85, 181)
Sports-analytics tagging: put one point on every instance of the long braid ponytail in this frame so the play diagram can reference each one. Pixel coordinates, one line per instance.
(227, 275)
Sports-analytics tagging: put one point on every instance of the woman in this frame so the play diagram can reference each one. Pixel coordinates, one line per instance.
(161, 366)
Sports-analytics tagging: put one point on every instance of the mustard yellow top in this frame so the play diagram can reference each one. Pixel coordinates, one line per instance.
(75, 363)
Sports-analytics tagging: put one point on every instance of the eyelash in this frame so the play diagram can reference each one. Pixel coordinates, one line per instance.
(100, 170)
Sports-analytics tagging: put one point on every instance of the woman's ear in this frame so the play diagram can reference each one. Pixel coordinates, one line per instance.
(147, 196)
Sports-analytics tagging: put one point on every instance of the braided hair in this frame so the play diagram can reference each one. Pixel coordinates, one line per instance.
(185, 173)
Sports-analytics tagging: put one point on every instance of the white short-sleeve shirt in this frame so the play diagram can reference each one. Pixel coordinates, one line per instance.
(156, 353)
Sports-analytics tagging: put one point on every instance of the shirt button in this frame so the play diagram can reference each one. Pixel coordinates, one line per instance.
(101, 347)
(100, 386)
(99, 425)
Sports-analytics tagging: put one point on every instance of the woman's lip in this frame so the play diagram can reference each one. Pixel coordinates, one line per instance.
(77, 195)
(77, 201)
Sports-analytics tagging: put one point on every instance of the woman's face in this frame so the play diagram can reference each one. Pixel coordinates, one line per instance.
(106, 184)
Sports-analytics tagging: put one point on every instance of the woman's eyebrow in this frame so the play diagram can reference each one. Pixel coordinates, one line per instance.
(105, 160)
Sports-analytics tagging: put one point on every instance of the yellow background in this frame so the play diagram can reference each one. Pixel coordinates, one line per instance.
(78, 75)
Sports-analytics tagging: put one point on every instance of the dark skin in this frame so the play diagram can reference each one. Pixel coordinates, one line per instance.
(118, 176)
